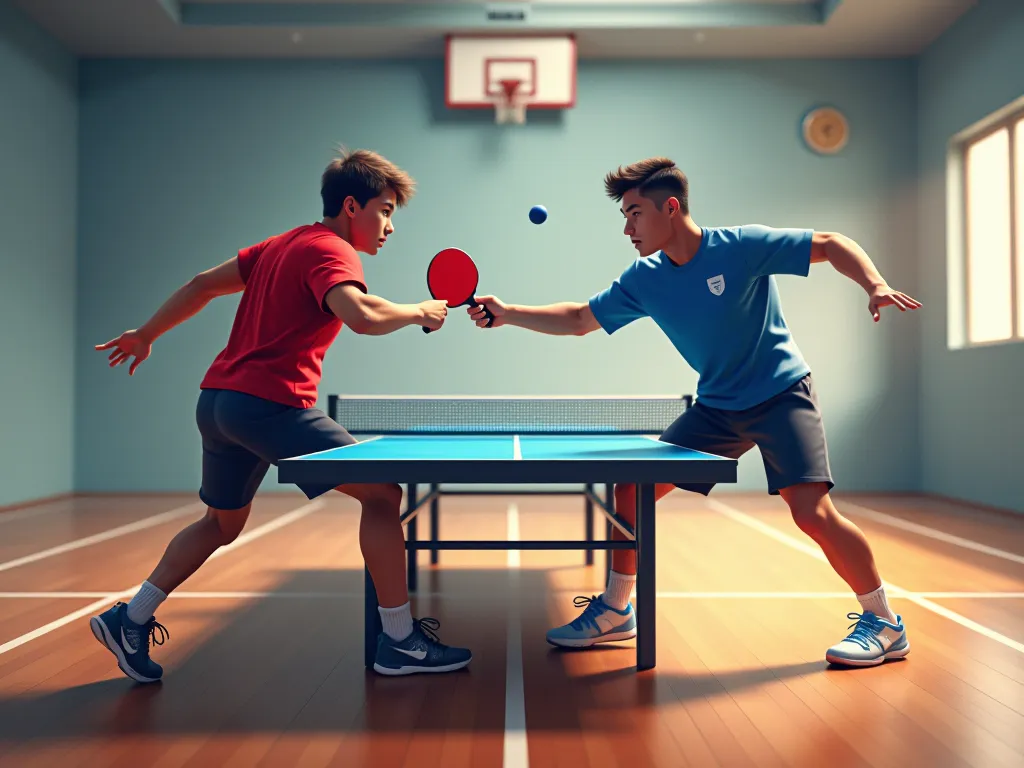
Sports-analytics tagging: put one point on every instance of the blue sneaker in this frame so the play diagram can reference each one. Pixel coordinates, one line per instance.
(421, 651)
(129, 642)
(872, 641)
(599, 623)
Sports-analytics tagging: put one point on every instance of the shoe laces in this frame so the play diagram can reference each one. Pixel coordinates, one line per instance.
(428, 626)
(865, 630)
(594, 607)
(150, 633)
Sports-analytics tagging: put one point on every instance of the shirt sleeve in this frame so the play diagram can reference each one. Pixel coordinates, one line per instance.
(619, 304)
(247, 258)
(771, 251)
(332, 265)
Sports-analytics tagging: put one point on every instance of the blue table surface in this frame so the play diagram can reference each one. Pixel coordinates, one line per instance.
(503, 448)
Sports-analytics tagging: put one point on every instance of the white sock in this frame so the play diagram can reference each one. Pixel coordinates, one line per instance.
(620, 587)
(144, 604)
(877, 604)
(397, 621)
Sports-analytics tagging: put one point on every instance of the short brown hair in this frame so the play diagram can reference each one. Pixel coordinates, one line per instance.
(364, 175)
(651, 176)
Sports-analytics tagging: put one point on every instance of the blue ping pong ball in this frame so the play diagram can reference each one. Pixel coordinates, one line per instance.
(538, 214)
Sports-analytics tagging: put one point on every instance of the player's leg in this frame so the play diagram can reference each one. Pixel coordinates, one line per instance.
(624, 560)
(194, 545)
(407, 645)
(790, 433)
(610, 616)
(231, 475)
(844, 544)
(276, 432)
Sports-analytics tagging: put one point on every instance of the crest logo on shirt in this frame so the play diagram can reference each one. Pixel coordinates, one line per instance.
(716, 284)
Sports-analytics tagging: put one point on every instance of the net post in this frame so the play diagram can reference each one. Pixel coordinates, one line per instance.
(332, 407)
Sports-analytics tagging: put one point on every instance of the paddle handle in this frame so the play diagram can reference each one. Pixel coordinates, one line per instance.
(490, 315)
(471, 302)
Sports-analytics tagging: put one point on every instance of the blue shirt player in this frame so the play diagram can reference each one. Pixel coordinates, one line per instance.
(712, 291)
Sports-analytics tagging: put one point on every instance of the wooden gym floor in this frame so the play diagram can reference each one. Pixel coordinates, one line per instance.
(264, 661)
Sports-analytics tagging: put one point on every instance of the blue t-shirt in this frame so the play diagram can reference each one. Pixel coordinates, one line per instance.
(721, 310)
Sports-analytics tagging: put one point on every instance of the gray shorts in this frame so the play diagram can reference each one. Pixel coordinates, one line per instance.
(243, 435)
(786, 428)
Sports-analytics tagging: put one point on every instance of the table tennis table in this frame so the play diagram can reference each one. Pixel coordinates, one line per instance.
(502, 441)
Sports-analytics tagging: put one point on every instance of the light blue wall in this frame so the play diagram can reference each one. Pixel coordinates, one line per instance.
(972, 400)
(184, 162)
(38, 200)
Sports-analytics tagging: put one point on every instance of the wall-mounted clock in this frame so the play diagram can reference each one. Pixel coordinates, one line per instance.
(825, 130)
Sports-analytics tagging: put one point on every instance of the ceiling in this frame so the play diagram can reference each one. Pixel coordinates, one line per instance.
(609, 29)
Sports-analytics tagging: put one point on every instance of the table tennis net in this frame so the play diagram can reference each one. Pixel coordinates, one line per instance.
(503, 416)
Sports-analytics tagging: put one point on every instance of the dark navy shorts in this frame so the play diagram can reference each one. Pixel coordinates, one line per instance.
(787, 429)
(243, 435)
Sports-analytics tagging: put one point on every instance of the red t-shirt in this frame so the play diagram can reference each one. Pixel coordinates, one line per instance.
(282, 328)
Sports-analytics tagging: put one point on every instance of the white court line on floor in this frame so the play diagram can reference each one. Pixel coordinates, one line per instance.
(815, 552)
(245, 538)
(462, 595)
(113, 533)
(516, 753)
(923, 530)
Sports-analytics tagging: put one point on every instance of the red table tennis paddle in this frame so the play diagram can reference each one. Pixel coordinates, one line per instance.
(452, 277)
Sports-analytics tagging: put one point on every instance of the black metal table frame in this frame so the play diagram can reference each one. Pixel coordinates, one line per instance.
(640, 539)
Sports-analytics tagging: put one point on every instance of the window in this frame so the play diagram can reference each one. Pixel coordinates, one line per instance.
(990, 276)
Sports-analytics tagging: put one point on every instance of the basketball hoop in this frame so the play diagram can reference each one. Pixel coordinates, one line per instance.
(510, 108)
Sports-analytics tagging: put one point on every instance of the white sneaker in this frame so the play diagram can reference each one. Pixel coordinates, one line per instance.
(872, 641)
(599, 623)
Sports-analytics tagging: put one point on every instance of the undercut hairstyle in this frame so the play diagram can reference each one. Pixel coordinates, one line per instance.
(364, 175)
(656, 177)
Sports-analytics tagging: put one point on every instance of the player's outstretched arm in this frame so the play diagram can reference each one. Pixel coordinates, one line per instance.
(371, 315)
(562, 319)
(185, 302)
(849, 259)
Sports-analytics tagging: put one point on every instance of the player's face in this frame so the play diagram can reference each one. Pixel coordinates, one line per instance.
(648, 228)
(371, 224)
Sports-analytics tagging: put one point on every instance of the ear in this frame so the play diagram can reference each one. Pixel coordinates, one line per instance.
(350, 206)
(672, 206)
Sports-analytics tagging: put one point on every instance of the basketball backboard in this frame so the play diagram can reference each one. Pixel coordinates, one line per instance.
(510, 73)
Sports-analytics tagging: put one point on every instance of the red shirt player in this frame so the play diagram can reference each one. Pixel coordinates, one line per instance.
(256, 404)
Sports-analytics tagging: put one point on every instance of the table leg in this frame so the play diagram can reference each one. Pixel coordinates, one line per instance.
(588, 522)
(435, 523)
(645, 583)
(609, 500)
(411, 555)
(372, 626)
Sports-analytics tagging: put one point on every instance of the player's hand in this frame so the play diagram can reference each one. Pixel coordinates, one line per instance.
(128, 344)
(496, 307)
(884, 296)
(434, 313)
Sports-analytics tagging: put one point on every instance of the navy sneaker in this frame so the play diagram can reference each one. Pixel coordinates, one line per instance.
(129, 642)
(421, 651)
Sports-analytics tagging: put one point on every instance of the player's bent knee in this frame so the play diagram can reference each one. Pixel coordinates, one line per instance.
(625, 494)
(391, 493)
(229, 522)
(811, 521)
(386, 493)
(810, 509)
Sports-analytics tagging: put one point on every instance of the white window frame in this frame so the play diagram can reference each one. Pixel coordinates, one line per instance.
(958, 228)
